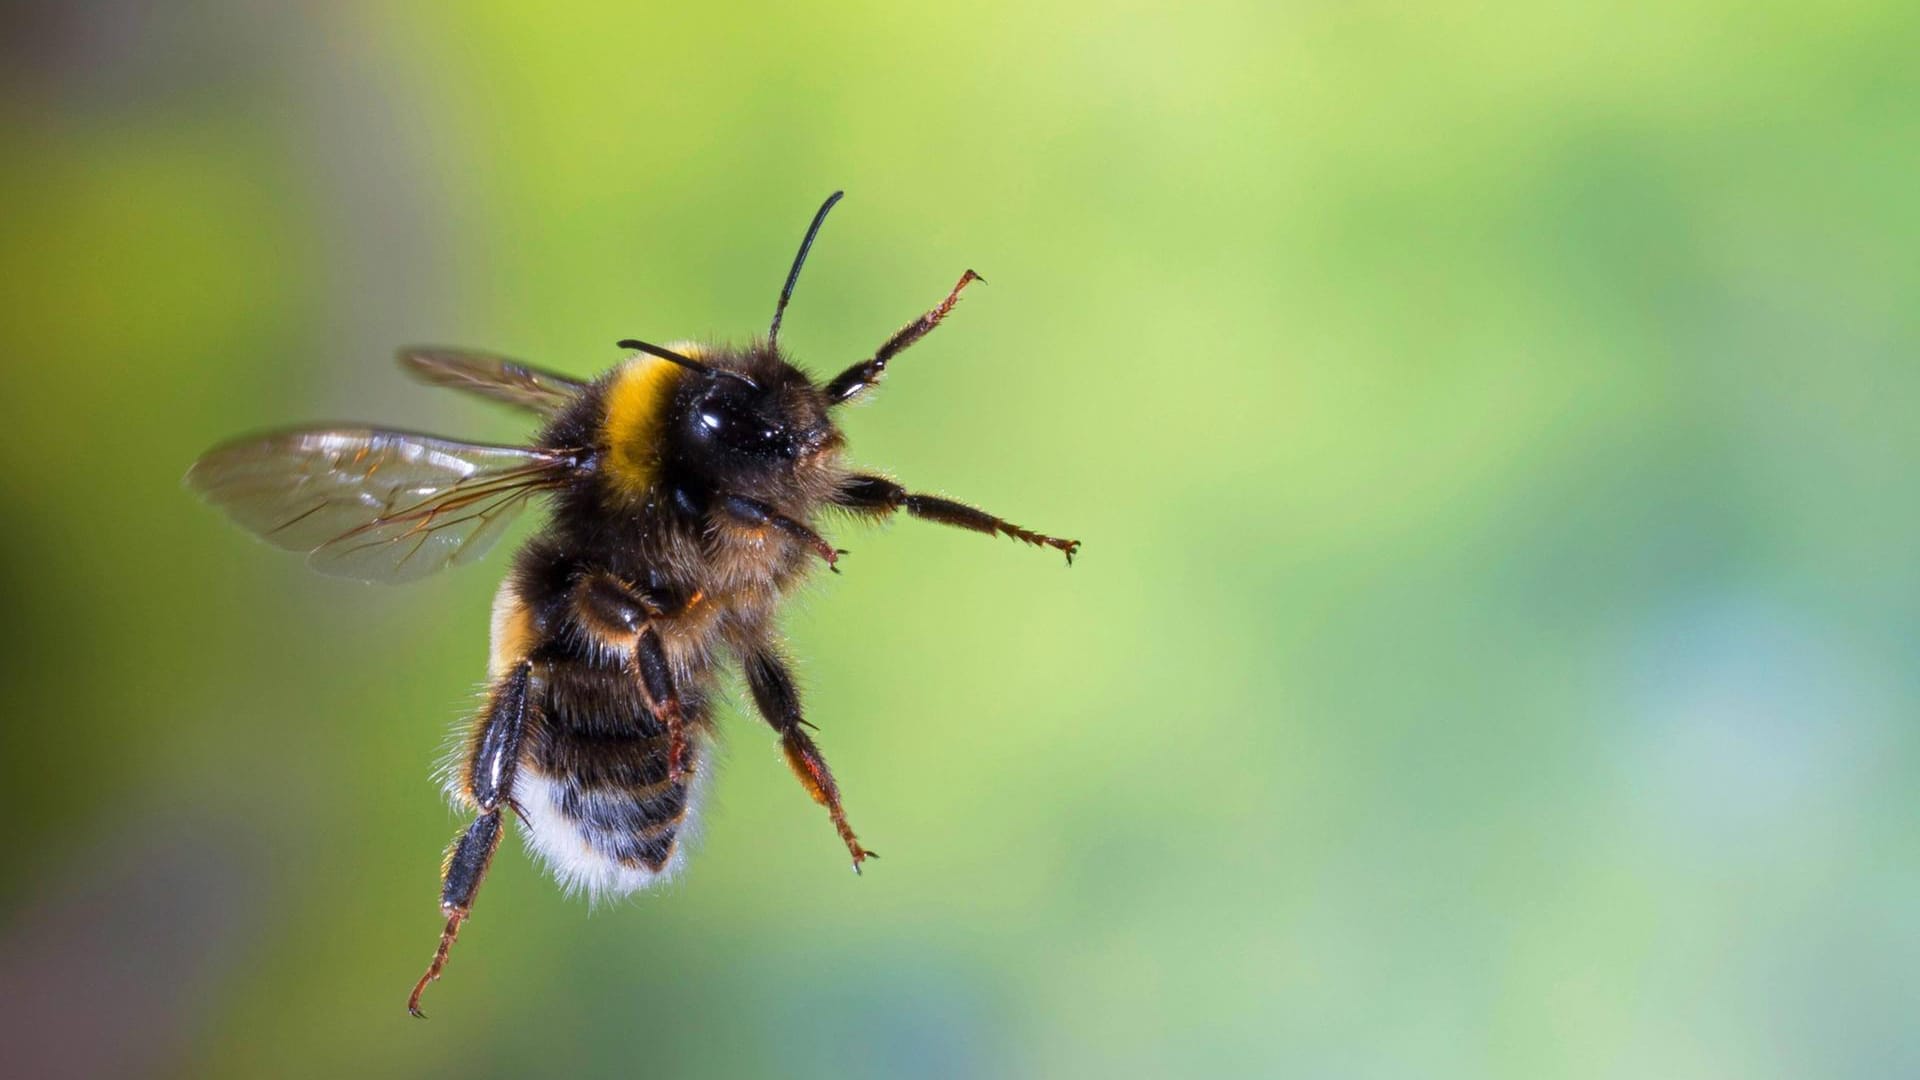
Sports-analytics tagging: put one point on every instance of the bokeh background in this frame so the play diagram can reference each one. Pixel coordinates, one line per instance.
(1492, 427)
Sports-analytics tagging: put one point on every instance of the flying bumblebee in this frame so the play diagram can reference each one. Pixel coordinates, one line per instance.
(685, 488)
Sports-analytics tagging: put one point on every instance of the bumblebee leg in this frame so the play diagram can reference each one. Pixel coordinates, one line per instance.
(618, 613)
(754, 512)
(779, 702)
(656, 681)
(878, 495)
(466, 867)
(852, 382)
(489, 780)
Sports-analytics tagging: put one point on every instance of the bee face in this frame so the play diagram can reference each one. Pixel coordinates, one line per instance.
(731, 426)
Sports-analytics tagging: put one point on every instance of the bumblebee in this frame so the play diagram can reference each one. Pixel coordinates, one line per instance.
(685, 487)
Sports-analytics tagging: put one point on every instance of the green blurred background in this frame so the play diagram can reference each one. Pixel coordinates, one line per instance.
(1493, 431)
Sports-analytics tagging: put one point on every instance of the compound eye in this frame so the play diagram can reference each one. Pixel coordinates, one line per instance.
(729, 424)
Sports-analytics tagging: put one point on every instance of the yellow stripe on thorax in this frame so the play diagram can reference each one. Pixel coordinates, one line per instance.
(636, 406)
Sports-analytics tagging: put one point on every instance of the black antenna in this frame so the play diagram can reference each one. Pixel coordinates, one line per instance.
(799, 260)
(687, 362)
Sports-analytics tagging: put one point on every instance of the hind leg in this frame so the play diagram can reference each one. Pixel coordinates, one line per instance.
(488, 780)
(623, 618)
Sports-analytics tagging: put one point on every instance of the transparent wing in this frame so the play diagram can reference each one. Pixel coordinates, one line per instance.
(491, 376)
(386, 506)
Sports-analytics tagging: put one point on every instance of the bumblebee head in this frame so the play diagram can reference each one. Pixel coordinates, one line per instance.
(730, 419)
(744, 420)
(770, 420)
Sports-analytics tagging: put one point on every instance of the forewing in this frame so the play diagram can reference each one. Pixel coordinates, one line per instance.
(372, 505)
(495, 377)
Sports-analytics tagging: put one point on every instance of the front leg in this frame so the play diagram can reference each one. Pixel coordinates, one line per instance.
(877, 494)
(855, 381)
(754, 512)
(779, 702)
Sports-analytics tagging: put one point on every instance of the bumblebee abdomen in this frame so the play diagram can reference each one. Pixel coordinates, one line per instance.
(600, 806)
(593, 785)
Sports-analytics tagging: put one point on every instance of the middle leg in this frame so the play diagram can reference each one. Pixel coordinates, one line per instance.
(779, 703)
(879, 495)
